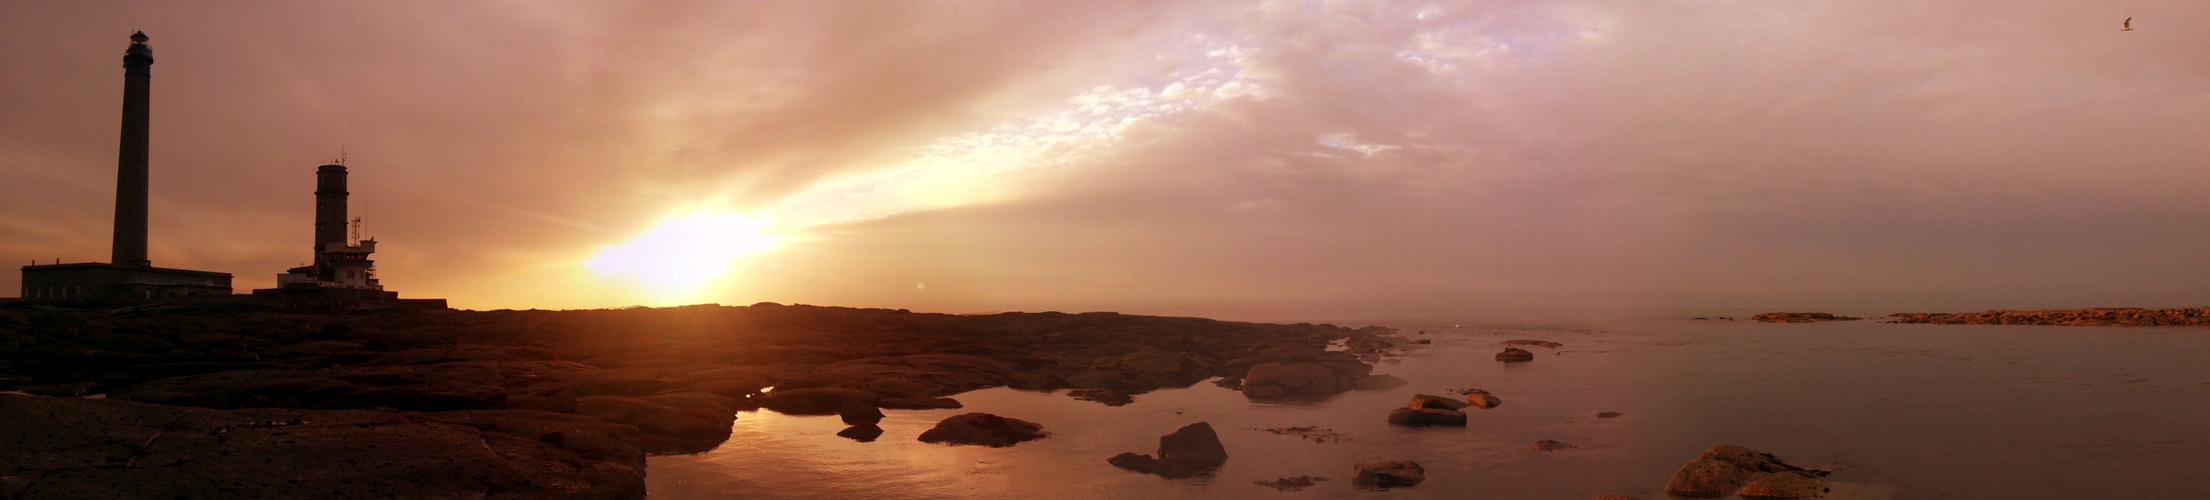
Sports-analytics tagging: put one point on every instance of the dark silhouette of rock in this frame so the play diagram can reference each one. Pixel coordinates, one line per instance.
(865, 433)
(919, 403)
(75, 448)
(668, 422)
(1188, 451)
(1608, 414)
(1107, 396)
(1725, 469)
(817, 401)
(1540, 343)
(1291, 483)
(1392, 474)
(1515, 354)
(1427, 416)
(1549, 445)
(983, 429)
(1435, 402)
(1800, 317)
(858, 413)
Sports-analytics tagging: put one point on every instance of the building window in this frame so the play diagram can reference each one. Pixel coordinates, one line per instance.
(349, 274)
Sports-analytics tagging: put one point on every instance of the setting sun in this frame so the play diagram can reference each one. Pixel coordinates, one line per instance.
(681, 254)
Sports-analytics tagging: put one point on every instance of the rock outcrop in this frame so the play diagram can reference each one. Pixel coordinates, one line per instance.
(1549, 445)
(1189, 451)
(1537, 343)
(1515, 354)
(858, 413)
(78, 448)
(983, 429)
(1108, 397)
(1725, 469)
(1391, 474)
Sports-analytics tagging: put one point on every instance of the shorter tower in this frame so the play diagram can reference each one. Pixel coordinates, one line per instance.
(341, 263)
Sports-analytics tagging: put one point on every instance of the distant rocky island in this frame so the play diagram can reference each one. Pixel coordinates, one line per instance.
(198, 402)
(2096, 316)
(1781, 317)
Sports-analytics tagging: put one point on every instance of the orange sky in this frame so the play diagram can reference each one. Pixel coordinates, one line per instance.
(1264, 160)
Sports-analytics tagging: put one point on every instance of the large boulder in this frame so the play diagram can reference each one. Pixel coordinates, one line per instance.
(1726, 468)
(983, 429)
(1191, 450)
(1515, 354)
(1391, 474)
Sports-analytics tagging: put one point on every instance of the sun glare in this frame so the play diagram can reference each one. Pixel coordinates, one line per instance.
(680, 255)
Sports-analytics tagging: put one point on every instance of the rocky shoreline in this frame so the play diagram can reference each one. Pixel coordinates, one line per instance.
(546, 404)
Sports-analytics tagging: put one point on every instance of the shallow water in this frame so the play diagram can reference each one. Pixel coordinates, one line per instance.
(1898, 411)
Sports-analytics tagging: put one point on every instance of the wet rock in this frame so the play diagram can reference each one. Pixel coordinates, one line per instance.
(1189, 451)
(1392, 474)
(1549, 445)
(1291, 483)
(1107, 396)
(858, 413)
(919, 403)
(1537, 343)
(1482, 399)
(77, 448)
(1515, 354)
(1435, 402)
(816, 401)
(983, 429)
(1608, 414)
(1724, 469)
(1417, 417)
(865, 433)
(1380, 383)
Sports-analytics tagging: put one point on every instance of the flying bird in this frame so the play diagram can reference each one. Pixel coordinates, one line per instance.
(2128, 26)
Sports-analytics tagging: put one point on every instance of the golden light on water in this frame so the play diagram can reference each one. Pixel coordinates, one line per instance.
(681, 255)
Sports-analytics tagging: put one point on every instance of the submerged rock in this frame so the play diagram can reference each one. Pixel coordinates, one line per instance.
(1515, 354)
(1538, 343)
(983, 429)
(1549, 445)
(1191, 450)
(1608, 414)
(1725, 468)
(1392, 474)
(1291, 483)
(1290, 380)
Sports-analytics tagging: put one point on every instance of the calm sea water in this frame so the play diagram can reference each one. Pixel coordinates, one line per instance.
(1899, 411)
